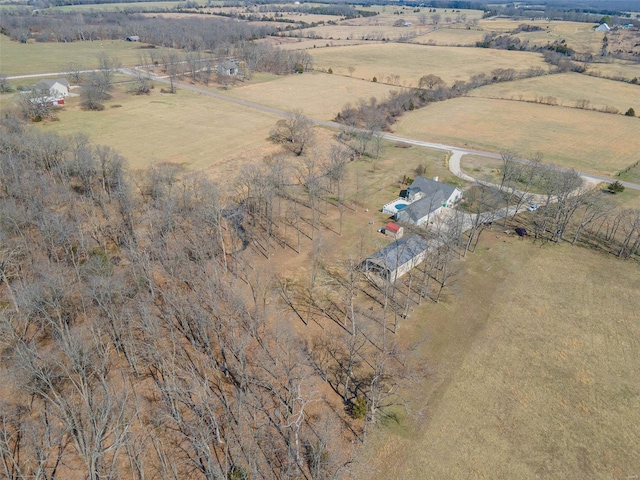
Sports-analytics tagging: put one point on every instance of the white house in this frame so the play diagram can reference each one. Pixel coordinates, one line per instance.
(426, 199)
(58, 88)
(603, 28)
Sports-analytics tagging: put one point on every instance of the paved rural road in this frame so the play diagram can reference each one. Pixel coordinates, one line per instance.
(454, 161)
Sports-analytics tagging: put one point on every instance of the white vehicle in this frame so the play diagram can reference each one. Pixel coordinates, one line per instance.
(533, 207)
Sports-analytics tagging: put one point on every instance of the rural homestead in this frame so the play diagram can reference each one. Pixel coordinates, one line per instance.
(319, 240)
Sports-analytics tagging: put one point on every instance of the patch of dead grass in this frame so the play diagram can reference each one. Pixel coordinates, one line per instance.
(535, 370)
(566, 89)
(318, 95)
(585, 140)
(187, 128)
(411, 61)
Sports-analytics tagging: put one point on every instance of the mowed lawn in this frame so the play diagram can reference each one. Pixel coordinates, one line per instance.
(542, 373)
(194, 130)
(567, 89)
(410, 61)
(31, 58)
(585, 140)
(318, 95)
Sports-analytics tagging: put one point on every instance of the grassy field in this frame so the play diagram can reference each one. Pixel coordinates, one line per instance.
(579, 36)
(118, 7)
(623, 70)
(457, 36)
(31, 58)
(299, 43)
(389, 11)
(354, 32)
(527, 383)
(567, 89)
(410, 62)
(585, 140)
(318, 95)
(200, 132)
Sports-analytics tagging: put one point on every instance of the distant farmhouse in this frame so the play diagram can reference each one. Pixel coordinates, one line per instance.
(133, 38)
(50, 92)
(228, 67)
(603, 28)
(397, 258)
(58, 88)
(423, 200)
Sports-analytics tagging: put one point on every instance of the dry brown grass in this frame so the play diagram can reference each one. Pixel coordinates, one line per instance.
(619, 69)
(299, 43)
(535, 371)
(457, 35)
(585, 140)
(566, 89)
(31, 58)
(410, 61)
(579, 36)
(318, 95)
(198, 131)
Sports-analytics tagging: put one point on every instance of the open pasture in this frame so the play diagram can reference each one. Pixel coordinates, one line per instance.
(389, 11)
(452, 36)
(585, 140)
(567, 89)
(618, 69)
(299, 43)
(120, 7)
(187, 128)
(355, 32)
(527, 382)
(579, 36)
(32, 58)
(318, 95)
(410, 62)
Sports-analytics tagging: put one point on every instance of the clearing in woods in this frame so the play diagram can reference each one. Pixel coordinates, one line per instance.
(588, 141)
(410, 62)
(566, 89)
(525, 383)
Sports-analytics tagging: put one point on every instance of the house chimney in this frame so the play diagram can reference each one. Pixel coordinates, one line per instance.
(435, 179)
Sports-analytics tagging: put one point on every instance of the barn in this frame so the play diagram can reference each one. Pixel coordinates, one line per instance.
(397, 258)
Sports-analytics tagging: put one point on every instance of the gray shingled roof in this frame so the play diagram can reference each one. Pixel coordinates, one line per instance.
(429, 187)
(46, 84)
(419, 209)
(399, 252)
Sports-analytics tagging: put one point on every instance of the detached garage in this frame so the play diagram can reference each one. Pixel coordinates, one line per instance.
(397, 258)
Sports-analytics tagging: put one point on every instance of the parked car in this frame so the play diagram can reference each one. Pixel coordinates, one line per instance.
(533, 207)
(521, 232)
